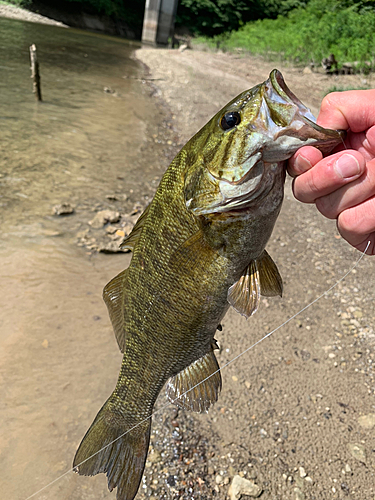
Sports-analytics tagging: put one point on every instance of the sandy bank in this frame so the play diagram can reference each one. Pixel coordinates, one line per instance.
(13, 12)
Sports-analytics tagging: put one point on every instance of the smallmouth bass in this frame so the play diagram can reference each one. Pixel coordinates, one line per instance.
(198, 248)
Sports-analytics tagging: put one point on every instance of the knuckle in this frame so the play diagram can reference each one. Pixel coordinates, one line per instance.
(326, 207)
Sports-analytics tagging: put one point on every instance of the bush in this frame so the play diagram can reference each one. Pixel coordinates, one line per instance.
(310, 33)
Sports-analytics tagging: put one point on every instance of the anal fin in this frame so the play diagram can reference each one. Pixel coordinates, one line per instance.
(113, 295)
(261, 277)
(197, 386)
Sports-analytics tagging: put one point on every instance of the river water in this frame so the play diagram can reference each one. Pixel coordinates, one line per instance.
(58, 356)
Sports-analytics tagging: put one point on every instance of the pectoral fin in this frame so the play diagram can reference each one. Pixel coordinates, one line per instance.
(198, 386)
(195, 247)
(113, 295)
(261, 277)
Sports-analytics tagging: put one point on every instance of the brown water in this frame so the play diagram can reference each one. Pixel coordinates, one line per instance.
(58, 357)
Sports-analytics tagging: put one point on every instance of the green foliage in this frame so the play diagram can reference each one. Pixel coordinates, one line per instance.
(18, 3)
(335, 88)
(213, 17)
(343, 28)
(107, 7)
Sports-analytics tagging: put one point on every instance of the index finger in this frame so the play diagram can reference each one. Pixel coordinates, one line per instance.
(352, 109)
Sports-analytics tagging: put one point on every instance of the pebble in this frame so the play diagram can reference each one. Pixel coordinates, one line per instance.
(219, 479)
(302, 472)
(111, 229)
(110, 247)
(298, 494)
(101, 218)
(63, 209)
(357, 451)
(367, 421)
(241, 486)
(154, 457)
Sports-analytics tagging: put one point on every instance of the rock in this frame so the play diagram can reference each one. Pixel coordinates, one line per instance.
(108, 90)
(183, 47)
(367, 421)
(128, 227)
(111, 229)
(63, 209)
(302, 472)
(241, 486)
(110, 247)
(104, 216)
(307, 71)
(298, 495)
(219, 479)
(357, 451)
(50, 232)
(154, 457)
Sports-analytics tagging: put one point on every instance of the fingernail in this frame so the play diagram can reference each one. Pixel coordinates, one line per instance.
(347, 166)
(302, 164)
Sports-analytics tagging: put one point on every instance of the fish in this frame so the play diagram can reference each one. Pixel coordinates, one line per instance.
(197, 249)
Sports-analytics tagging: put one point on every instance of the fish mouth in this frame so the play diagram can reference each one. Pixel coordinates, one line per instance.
(291, 124)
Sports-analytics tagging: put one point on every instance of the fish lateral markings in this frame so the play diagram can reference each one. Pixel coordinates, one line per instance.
(198, 248)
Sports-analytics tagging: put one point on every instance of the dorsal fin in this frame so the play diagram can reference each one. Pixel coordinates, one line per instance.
(261, 277)
(202, 391)
(131, 240)
(271, 283)
(113, 295)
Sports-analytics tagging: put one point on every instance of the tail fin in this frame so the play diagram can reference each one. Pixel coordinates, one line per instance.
(108, 447)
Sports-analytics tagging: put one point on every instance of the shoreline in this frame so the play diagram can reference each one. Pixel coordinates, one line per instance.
(18, 13)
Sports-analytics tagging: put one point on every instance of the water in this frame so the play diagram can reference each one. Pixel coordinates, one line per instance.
(58, 356)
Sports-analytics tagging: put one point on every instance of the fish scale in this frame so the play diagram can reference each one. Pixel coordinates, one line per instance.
(198, 249)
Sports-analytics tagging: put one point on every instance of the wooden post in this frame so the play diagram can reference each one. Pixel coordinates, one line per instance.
(35, 73)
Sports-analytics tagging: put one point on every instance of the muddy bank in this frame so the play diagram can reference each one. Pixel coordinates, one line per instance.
(295, 413)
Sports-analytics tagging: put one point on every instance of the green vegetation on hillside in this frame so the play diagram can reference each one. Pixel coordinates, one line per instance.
(309, 33)
(212, 17)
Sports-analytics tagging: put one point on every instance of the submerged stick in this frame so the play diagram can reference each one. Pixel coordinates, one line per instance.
(35, 73)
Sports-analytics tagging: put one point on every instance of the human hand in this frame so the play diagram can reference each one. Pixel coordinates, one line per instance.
(342, 184)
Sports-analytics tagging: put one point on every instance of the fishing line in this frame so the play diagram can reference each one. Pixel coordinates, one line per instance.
(212, 374)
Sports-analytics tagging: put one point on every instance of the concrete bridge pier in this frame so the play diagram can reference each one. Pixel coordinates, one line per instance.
(158, 22)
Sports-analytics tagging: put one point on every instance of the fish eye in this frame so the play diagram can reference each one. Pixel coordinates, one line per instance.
(230, 120)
